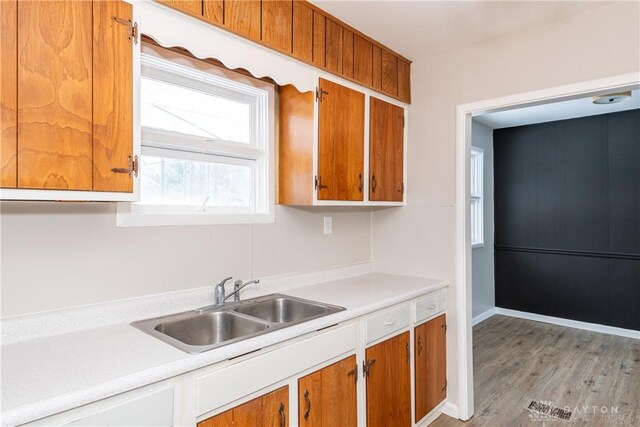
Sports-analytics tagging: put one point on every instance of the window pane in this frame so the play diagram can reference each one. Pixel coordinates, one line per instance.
(180, 182)
(180, 109)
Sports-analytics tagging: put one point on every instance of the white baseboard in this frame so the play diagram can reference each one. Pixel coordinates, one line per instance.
(451, 410)
(483, 316)
(594, 327)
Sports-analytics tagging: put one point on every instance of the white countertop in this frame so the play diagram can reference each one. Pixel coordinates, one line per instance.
(49, 375)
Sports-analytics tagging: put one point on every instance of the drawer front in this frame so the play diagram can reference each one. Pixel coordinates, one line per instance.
(228, 384)
(430, 305)
(387, 323)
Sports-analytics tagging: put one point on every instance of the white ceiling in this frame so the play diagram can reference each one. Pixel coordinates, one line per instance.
(419, 29)
(556, 111)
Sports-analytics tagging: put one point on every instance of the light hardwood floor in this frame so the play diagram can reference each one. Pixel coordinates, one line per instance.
(517, 361)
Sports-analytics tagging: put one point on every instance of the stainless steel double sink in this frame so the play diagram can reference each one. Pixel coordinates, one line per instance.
(210, 327)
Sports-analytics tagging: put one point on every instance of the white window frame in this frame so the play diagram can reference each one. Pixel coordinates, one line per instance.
(259, 153)
(477, 197)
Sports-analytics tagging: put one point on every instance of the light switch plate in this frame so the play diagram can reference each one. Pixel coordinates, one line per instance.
(328, 224)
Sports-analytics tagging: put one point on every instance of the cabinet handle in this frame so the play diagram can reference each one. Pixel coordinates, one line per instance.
(431, 306)
(283, 416)
(374, 184)
(132, 169)
(308, 402)
(401, 190)
(361, 183)
(390, 322)
(408, 351)
(420, 345)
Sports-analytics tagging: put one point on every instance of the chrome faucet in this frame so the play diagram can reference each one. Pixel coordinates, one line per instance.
(219, 292)
(238, 285)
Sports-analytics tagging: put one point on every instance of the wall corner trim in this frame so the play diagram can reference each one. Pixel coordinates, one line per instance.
(483, 316)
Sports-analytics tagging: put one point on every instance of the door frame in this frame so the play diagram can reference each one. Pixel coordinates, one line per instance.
(463, 286)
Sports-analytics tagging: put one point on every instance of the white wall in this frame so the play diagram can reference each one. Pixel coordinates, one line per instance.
(483, 289)
(419, 239)
(59, 255)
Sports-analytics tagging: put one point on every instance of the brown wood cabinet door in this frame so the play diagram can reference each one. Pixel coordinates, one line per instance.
(389, 383)
(275, 407)
(213, 11)
(302, 31)
(347, 52)
(362, 60)
(112, 96)
(191, 7)
(404, 80)
(389, 73)
(430, 365)
(243, 17)
(327, 397)
(277, 24)
(333, 43)
(319, 40)
(55, 95)
(386, 146)
(225, 419)
(9, 93)
(340, 143)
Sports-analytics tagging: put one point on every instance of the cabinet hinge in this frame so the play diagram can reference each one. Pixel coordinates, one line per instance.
(403, 121)
(318, 183)
(446, 383)
(132, 28)
(354, 372)
(132, 169)
(320, 94)
(366, 367)
(444, 325)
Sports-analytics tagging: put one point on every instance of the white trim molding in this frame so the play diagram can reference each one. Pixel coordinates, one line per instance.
(464, 114)
(593, 327)
(483, 316)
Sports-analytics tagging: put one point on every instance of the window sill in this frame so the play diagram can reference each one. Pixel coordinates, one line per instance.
(477, 245)
(125, 218)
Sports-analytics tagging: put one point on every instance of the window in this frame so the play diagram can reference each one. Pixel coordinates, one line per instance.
(477, 199)
(207, 144)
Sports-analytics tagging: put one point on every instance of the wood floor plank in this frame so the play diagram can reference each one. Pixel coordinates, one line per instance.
(517, 361)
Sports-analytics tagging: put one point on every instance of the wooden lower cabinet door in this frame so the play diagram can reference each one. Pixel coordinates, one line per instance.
(328, 397)
(430, 365)
(389, 383)
(269, 410)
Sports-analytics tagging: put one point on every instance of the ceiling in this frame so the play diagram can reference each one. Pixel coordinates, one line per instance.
(555, 111)
(419, 29)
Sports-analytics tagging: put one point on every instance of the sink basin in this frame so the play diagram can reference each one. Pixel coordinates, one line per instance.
(210, 328)
(283, 310)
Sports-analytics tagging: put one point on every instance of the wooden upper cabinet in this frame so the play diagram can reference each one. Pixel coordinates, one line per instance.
(269, 410)
(277, 24)
(347, 52)
(243, 17)
(112, 97)
(8, 94)
(333, 43)
(327, 397)
(340, 143)
(430, 365)
(389, 73)
(213, 11)
(319, 39)
(302, 31)
(191, 7)
(404, 80)
(386, 146)
(362, 60)
(54, 96)
(377, 67)
(389, 383)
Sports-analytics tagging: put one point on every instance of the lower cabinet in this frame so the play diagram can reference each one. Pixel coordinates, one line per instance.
(430, 365)
(387, 372)
(269, 410)
(327, 397)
